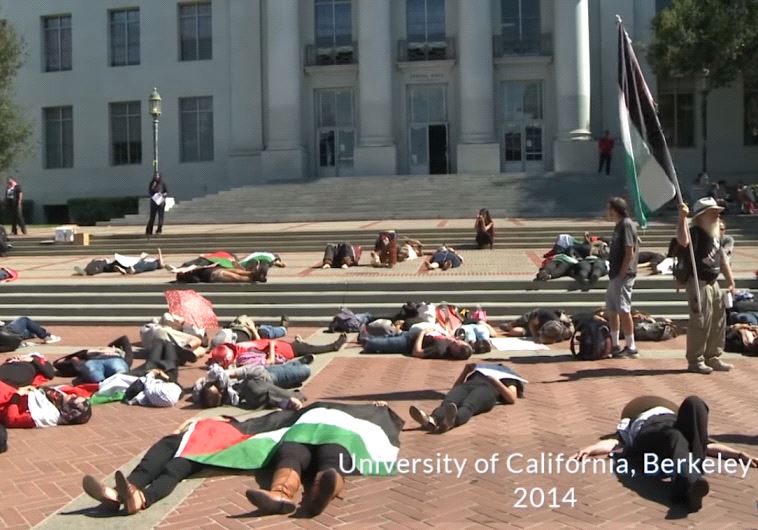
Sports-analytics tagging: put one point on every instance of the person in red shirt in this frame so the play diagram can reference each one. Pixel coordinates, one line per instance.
(605, 149)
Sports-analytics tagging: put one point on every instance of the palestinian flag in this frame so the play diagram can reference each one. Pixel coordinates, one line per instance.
(370, 434)
(650, 171)
(222, 259)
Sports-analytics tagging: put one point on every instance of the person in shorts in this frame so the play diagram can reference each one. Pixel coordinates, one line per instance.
(622, 272)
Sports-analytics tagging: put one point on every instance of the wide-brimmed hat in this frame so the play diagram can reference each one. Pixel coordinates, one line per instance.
(705, 204)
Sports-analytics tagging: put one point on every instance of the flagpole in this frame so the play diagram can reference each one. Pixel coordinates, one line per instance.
(680, 200)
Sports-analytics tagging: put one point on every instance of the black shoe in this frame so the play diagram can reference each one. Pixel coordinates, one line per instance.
(616, 352)
(306, 359)
(626, 353)
(695, 494)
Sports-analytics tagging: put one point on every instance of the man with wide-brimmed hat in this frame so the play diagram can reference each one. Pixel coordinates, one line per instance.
(707, 324)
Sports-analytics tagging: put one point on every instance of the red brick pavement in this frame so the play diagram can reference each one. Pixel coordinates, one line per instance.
(568, 405)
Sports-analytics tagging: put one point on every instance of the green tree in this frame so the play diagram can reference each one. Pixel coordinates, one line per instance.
(15, 130)
(716, 38)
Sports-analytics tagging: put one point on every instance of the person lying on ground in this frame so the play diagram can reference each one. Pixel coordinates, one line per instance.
(253, 386)
(27, 329)
(26, 370)
(267, 351)
(655, 425)
(323, 451)
(123, 264)
(173, 328)
(410, 250)
(589, 270)
(258, 272)
(484, 227)
(477, 335)
(424, 343)
(151, 388)
(96, 365)
(228, 260)
(545, 326)
(556, 266)
(385, 250)
(244, 329)
(478, 389)
(341, 255)
(444, 258)
(28, 407)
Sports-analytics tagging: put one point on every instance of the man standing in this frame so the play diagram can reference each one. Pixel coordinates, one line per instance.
(14, 198)
(622, 272)
(605, 148)
(707, 324)
(158, 193)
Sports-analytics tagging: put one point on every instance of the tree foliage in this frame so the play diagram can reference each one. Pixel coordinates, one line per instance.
(15, 130)
(717, 36)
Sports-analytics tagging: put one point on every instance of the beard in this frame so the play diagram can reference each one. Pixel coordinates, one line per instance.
(710, 227)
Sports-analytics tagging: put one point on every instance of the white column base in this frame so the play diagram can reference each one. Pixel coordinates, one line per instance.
(574, 156)
(375, 160)
(478, 158)
(283, 164)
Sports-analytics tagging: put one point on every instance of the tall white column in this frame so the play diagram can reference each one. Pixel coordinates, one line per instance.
(284, 156)
(376, 152)
(477, 150)
(573, 149)
(572, 67)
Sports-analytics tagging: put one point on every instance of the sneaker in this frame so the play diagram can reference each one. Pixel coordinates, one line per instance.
(626, 353)
(699, 368)
(345, 266)
(616, 352)
(79, 271)
(451, 411)
(718, 365)
(422, 418)
(446, 265)
(695, 494)
(52, 339)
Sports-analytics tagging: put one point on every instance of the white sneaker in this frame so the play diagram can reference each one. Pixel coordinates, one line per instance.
(52, 339)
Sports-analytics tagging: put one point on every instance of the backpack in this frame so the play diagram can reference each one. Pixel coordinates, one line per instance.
(9, 340)
(594, 338)
(345, 321)
(659, 330)
(5, 245)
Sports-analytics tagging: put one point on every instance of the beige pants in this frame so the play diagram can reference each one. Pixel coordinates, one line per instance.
(705, 330)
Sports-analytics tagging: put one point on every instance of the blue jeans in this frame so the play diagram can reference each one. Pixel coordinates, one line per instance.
(271, 332)
(289, 375)
(396, 344)
(475, 332)
(97, 370)
(441, 256)
(27, 328)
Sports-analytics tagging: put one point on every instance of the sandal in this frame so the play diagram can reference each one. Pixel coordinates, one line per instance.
(130, 495)
(108, 497)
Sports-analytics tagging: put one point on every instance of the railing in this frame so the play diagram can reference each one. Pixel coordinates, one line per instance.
(510, 47)
(408, 51)
(331, 55)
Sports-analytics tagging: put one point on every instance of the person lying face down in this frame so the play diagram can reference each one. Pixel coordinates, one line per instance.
(318, 451)
(479, 387)
(545, 326)
(652, 425)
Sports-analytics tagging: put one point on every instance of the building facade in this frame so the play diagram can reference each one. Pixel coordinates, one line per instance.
(267, 90)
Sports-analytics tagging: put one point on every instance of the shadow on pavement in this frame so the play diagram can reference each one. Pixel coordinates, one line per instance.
(653, 489)
(95, 512)
(613, 372)
(736, 438)
(409, 395)
(538, 359)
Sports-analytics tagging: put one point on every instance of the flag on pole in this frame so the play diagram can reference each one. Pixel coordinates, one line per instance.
(649, 169)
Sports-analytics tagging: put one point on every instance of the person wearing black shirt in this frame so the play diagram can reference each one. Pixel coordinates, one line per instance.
(14, 197)
(22, 370)
(707, 323)
(157, 191)
(622, 271)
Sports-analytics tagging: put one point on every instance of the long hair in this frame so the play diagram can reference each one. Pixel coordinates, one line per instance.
(484, 212)
(619, 205)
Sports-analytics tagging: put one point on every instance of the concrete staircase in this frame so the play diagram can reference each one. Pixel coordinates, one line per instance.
(399, 197)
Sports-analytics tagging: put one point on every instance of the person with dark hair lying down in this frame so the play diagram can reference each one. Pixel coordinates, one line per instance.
(26, 328)
(123, 264)
(26, 370)
(444, 258)
(28, 407)
(545, 326)
(479, 387)
(589, 270)
(341, 255)
(654, 425)
(258, 272)
(269, 351)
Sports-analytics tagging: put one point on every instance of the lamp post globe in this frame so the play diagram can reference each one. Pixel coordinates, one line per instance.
(154, 108)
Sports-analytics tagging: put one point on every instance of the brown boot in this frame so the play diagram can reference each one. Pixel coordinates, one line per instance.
(280, 499)
(326, 486)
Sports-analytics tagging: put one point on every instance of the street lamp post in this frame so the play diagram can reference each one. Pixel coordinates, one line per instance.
(155, 112)
(704, 89)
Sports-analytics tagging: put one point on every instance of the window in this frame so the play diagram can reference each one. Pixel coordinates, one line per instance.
(336, 135)
(425, 20)
(677, 114)
(124, 37)
(751, 112)
(195, 33)
(196, 126)
(59, 137)
(57, 42)
(521, 27)
(126, 133)
(334, 23)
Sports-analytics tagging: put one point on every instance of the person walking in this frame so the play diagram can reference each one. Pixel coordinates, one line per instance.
(158, 192)
(707, 324)
(622, 272)
(605, 149)
(14, 198)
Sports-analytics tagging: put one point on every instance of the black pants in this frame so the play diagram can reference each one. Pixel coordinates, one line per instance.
(605, 160)
(483, 239)
(18, 219)
(159, 471)
(555, 269)
(677, 437)
(303, 348)
(472, 397)
(589, 271)
(163, 354)
(304, 457)
(124, 344)
(159, 210)
(652, 258)
(336, 255)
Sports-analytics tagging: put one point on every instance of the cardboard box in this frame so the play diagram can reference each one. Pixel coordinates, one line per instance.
(82, 238)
